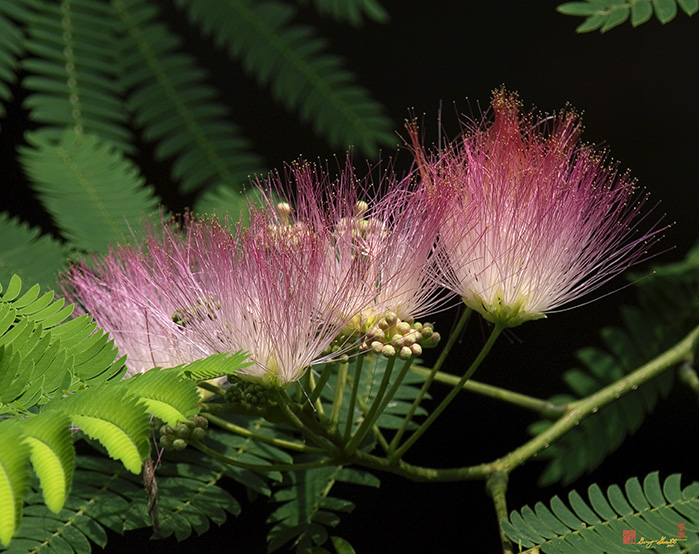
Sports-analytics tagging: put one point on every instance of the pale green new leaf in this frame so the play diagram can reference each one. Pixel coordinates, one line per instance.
(52, 455)
(217, 365)
(14, 478)
(165, 393)
(117, 419)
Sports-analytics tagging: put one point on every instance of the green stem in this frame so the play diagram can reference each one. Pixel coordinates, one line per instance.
(375, 428)
(452, 394)
(339, 395)
(683, 350)
(288, 408)
(430, 377)
(353, 397)
(211, 388)
(544, 408)
(318, 405)
(242, 431)
(260, 467)
(421, 474)
(369, 420)
(324, 376)
(496, 485)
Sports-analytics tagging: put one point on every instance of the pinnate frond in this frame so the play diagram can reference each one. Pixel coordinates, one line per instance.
(25, 252)
(292, 60)
(651, 510)
(308, 507)
(72, 71)
(352, 11)
(176, 108)
(92, 192)
(668, 309)
(607, 14)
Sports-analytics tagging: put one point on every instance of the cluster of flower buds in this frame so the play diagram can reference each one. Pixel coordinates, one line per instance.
(391, 336)
(246, 393)
(177, 437)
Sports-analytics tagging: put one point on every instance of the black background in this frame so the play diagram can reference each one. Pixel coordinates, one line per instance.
(637, 89)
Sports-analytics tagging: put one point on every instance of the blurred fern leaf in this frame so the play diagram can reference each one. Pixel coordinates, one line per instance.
(34, 257)
(668, 309)
(93, 194)
(175, 107)
(607, 14)
(293, 61)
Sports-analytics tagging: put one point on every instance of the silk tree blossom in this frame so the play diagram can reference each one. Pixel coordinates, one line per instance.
(534, 219)
(177, 298)
(381, 237)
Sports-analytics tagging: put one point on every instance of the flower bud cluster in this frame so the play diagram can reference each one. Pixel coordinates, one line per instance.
(246, 393)
(391, 336)
(177, 437)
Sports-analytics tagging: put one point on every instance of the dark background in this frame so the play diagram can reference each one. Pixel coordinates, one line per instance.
(637, 89)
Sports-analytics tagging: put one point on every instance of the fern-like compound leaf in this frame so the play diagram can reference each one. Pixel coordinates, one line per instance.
(352, 11)
(35, 258)
(11, 47)
(112, 416)
(14, 478)
(649, 510)
(307, 507)
(72, 71)
(52, 456)
(371, 374)
(174, 105)
(165, 394)
(91, 191)
(292, 60)
(649, 329)
(604, 15)
(217, 365)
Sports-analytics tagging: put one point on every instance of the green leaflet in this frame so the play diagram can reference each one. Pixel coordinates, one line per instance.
(352, 11)
(14, 478)
(292, 60)
(72, 72)
(42, 355)
(217, 365)
(91, 191)
(607, 14)
(52, 455)
(165, 394)
(307, 506)
(651, 510)
(175, 107)
(668, 308)
(33, 257)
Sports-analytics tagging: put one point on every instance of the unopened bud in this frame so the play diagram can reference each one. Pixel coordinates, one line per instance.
(405, 353)
(388, 351)
(416, 349)
(403, 327)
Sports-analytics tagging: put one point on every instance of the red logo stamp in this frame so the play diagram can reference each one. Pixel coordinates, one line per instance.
(681, 530)
(630, 536)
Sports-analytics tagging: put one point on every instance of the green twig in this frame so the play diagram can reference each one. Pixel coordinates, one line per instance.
(447, 400)
(544, 408)
(260, 468)
(339, 396)
(353, 397)
(496, 485)
(280, 443)
(370, 418)
(426, 385)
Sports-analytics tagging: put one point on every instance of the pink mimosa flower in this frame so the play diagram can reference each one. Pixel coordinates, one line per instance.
(380, 236)
(534, 219)
(181, 297)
